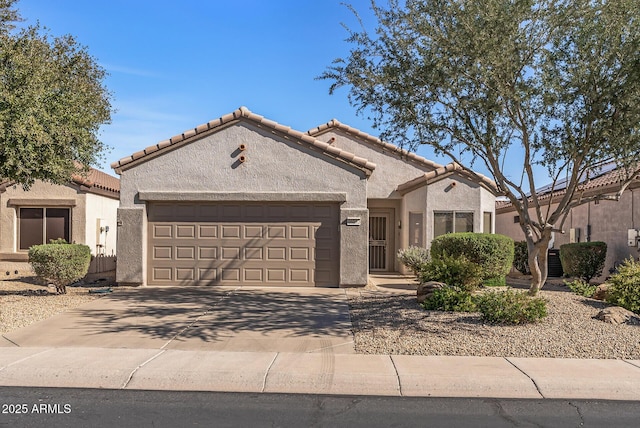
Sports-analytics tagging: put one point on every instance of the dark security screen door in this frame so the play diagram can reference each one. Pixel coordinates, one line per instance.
(378, 238)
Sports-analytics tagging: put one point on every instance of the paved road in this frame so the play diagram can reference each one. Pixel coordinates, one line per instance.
(108, 408)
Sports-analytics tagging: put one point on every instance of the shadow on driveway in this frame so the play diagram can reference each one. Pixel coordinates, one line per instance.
(201, 318)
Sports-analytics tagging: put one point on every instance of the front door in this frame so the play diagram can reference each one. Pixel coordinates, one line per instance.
(378, 241)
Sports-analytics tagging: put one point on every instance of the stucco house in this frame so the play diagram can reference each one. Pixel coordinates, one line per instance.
(615, 222)
(245, 200)
(83, 211)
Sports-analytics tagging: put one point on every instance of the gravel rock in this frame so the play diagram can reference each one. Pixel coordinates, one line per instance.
(396, 324)
(24, 302)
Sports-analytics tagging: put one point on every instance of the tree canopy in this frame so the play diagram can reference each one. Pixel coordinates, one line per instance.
(52, 104)
(551, 83)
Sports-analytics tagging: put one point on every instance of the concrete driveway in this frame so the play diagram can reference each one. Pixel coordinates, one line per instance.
(204, 318)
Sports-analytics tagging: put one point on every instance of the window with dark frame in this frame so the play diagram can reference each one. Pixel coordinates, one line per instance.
(451, 222)
(40, 225)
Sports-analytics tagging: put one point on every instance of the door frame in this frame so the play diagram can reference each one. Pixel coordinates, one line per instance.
(389, 214)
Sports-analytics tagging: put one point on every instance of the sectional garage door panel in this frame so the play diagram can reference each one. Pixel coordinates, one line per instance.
(249, 244)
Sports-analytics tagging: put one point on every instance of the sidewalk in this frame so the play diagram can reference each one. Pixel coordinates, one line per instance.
(118, 357)
(320, 373)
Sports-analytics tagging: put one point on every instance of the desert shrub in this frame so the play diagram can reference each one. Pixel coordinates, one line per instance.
(581, 287)
(521, 257)
(453, 271)
(493, 253)
(510, 307)
(60, 263)
(413, 258)
(451, 299)
(625, 286)
(584, 260)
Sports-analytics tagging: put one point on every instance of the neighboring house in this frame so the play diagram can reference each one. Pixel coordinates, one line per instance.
(83, 211)
(613, 222)
(245, 200)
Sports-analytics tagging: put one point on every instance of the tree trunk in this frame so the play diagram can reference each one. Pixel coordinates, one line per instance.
(538, 263)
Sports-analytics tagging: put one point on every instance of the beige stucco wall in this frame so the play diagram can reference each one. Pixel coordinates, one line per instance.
(39, 190)
(105, 209)
(209, 166)
(390, 171)
(609, 222)
(464, 196)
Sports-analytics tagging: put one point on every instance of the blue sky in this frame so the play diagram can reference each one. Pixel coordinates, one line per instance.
(174, 65)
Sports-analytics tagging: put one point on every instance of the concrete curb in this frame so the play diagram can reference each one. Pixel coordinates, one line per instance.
(320, 373)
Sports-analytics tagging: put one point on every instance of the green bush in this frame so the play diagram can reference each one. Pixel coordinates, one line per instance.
(493, 253)
(581, 287)
(60, 263)
(453, 271)
(510, 307)
(521, 257)
(625, 286)
(450, 299)
(413, 258)
(584, 260)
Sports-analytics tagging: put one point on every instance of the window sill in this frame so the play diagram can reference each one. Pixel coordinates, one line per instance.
(14, 257)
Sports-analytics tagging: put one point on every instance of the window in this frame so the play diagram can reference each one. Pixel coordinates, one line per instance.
(415, 229)
(40, 225)
(452, 221)
(486, 222)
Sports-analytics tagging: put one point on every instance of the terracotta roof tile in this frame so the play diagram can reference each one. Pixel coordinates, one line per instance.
(98, 182)
(94, 181)
(244, 113)
(607, 179)
(336, 124)
(444, 172)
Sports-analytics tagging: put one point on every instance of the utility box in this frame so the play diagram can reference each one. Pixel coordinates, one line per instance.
(632, 237)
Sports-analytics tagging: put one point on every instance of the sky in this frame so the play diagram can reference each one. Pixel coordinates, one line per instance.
(173, 65)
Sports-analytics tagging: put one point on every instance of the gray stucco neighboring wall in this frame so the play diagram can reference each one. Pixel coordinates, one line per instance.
(211, 167)
(390, 171)
(609, 221)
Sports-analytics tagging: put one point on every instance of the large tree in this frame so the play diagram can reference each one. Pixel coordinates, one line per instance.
(52, 104)
(551, 83)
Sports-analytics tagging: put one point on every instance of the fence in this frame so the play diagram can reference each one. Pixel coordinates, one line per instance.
(100, 264)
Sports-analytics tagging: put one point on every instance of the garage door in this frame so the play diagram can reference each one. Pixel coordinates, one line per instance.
(243, 243)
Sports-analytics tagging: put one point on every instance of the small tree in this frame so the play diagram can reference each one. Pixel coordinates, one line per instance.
(555, 82)
(60, 263)
(52, 103)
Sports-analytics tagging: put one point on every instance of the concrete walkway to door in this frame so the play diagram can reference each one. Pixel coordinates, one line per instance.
(239, 319)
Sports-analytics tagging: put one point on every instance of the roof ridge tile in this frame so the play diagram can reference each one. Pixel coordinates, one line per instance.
(240, 113)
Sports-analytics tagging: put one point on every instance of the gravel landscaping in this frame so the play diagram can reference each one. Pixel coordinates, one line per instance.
(23, 302)
(385, 323)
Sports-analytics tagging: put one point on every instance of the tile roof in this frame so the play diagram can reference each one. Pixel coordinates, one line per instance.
(444, 172)
(243, 114)
(94, 181)
(98, 181)
(607, 179)
(374, 141)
